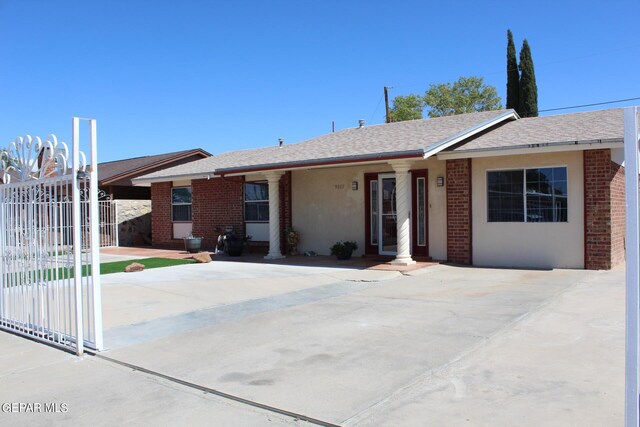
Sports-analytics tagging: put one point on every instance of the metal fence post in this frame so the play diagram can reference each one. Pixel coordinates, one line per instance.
(632, 259)
(3, 244)
(77, 238)
(95, 236)
(116, 223)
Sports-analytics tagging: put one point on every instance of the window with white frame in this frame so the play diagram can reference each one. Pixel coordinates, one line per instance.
(527, 195)
(256, 202)
(181, 204)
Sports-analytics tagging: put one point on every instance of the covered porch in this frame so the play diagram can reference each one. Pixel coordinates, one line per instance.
(394, 210)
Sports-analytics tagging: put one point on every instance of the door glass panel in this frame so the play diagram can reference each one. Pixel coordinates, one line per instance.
(421, 214)
(388, 216)
(374, 212)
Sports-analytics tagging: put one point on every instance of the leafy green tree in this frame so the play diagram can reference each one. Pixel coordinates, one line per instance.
(466, 95)
(406, 108)
(513, 76)
(528, 104)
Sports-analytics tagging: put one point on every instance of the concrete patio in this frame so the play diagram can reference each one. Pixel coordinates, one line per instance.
(365, 262)
(441, 345)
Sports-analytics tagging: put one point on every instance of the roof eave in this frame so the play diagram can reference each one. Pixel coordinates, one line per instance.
(145, 182)
(550, 147)
(364, 158)
(467, 133)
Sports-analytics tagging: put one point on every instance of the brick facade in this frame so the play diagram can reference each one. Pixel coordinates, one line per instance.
(459, 233)
(604, 210)
(216, 203)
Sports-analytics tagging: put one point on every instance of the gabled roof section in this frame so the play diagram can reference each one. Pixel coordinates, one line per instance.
(109, 172)
(409, 139)
(601, 126)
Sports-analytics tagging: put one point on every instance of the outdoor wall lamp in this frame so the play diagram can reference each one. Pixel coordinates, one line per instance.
(440, 181)
(354, 185)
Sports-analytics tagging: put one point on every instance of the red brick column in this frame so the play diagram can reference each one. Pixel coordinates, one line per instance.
(161, 227)
(285, 210)
(618, 214)
(459, 233)
(604, 210)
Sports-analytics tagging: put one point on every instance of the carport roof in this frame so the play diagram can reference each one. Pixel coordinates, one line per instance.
(408, 139)
(112, 171)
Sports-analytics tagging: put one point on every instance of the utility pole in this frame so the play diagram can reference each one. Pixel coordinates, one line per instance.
(386, 103)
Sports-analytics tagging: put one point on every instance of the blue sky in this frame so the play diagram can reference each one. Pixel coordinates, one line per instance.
(163, 76)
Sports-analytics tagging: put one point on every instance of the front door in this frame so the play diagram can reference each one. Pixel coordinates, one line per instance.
(380, 214)
(388, 229)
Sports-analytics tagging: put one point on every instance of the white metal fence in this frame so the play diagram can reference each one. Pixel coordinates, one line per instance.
(49, 243)
(108, 223)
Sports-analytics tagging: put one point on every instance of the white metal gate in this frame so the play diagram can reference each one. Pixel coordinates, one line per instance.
(49, 242)
(108, 222)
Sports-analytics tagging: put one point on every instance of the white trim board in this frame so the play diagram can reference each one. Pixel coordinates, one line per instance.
(528, 150)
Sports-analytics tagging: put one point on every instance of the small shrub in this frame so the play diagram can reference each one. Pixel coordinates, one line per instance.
(340, 248)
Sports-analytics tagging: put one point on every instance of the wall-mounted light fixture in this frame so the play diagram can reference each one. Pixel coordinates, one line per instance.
(354, 185)
(440, 181)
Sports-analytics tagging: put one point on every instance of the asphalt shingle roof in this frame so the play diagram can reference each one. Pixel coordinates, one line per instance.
(108, 170)
(412, 137)
(564, 128)
(368, 141)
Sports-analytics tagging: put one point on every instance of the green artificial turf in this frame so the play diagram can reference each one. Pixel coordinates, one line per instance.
(105, 268)
(118, 266)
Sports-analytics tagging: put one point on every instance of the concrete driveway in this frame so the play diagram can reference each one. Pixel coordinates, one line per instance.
(439, 346)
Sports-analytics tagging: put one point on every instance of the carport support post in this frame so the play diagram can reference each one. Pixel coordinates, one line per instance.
(403, 192)
(274, 215)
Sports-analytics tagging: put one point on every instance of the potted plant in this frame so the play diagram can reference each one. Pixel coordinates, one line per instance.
(192, 244)
(343, 250)
(233, 245)
(293, 237)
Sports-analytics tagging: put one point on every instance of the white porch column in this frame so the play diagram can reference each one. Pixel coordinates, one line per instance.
(274, 215)
(403, 207)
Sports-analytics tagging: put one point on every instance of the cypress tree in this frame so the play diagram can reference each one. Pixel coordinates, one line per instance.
(513, 76)
(528, 87)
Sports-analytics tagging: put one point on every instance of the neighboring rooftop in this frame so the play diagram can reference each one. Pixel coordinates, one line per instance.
(592, 126)
(117, 170)
(408, 138)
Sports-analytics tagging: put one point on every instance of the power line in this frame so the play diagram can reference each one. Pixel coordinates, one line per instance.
(594, 104)
(542, 64)
(589, 105)
(376, 110)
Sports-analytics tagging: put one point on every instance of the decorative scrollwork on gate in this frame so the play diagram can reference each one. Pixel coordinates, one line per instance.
(28, 158)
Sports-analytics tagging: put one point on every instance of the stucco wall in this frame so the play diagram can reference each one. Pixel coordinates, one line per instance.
(326, 209)
(534, 245)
